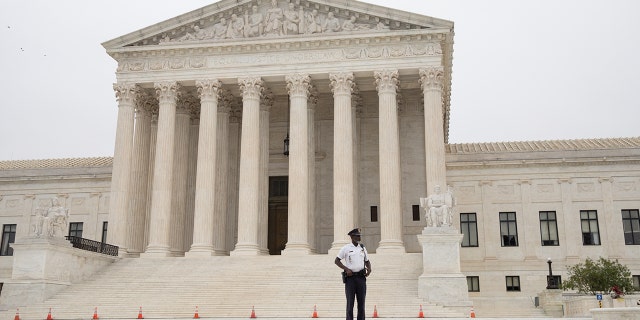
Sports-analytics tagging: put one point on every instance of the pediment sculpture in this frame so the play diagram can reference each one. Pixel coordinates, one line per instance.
(438, 207)
(51, 222)
(277, 19)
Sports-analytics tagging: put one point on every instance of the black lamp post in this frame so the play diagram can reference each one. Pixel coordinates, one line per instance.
(551, 283)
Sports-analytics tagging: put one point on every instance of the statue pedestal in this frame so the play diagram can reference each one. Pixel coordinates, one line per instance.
(44, 266)
(441, 281)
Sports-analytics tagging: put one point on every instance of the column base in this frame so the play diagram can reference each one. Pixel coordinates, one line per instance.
(246, 250)
(336, 246)
(296, 249)
(390, 247)
(156, 252)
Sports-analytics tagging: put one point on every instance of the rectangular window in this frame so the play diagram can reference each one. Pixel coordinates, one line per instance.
(636, 282)
(469, 229)
(473, 284)
(590, 229)
(549, 228)
(631, 226)
(374, 214)
(508, 229)
(554, 282)
(8, 237)
(416, 212)
(513, 283)
(105, 226)
(75, 229)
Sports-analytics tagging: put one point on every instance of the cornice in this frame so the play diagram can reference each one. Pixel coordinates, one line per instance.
(56, 163)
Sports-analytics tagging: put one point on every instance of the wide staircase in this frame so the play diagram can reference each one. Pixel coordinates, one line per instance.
(272, 286)
(229, 287)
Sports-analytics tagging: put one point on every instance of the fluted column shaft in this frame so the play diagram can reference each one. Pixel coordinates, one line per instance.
(222, 177)
(180, 170)
(389, 141)
(432, 81)
(298, 215)
(311, 105)
(120, 176)
(203, 225)
(343, 184)
(266, 102)
(249, 189)
(163, 170)
(140, 170)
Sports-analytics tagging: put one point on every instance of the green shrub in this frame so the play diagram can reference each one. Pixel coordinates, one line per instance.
(598, 277)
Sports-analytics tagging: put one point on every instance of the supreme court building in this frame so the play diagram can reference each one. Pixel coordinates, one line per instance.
(256, 127)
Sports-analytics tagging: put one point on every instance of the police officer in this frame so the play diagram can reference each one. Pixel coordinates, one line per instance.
(354, 260)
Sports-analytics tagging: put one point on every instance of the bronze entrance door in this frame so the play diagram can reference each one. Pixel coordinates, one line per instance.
(278, 214)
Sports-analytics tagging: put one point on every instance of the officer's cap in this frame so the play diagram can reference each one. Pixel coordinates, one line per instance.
(354, 232)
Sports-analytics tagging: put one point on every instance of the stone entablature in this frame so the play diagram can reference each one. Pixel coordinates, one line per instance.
(56, 163)
(549, 145)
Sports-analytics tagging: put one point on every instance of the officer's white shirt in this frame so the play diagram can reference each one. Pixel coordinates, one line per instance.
(353, 257)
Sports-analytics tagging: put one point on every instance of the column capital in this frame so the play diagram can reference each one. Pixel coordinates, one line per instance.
(188, 103)
(313, 98)
(432, 78)
(126, 92)
(342, 83)
(251, 87)
(266, 101)
(167, 91)
(208, 89)
(386, 81)
(146, 102)
(298, 84)
(225, 101)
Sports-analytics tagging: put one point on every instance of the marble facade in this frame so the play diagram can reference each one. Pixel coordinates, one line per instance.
(205, 100)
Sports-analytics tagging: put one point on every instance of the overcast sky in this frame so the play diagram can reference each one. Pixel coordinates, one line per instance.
(522, 70)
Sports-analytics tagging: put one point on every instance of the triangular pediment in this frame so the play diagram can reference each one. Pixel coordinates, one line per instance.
(250, 20)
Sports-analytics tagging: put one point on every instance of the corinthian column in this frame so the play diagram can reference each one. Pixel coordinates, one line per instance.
(298, 220)
(140, 170)
(180, 170)
(343, 183)
(431, 79)
(120, 176)
(266, 102)
(249, 190)
(222, 175)
(161, 192)
(311, 105)
(390, 187)
(206, 169)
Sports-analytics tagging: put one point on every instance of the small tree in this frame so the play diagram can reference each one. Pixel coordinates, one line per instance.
(598, 276)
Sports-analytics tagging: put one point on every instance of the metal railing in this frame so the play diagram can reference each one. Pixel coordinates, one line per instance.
(93, 246)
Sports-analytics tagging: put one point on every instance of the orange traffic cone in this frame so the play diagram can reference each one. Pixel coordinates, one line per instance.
(49, 317)
(196, 316)
(140, 314)
(253, 313)
(95, 314)
(473, 313)
(17, 317)
(420, 314)
(315, 312)
(375, 311)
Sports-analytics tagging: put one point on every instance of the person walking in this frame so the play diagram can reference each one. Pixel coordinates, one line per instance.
(354, 261)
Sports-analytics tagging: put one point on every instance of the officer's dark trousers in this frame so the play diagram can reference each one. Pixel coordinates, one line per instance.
(355, 288)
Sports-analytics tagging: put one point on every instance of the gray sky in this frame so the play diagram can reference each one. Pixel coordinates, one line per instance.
(522, 70)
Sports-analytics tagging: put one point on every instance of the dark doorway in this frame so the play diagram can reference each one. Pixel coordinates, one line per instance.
(278, 214)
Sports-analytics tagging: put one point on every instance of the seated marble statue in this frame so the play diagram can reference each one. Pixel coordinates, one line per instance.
(438, 208)
(291, 20)
(52, 221)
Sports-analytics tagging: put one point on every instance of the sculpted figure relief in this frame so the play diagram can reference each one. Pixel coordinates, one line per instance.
(439, 208)
(275, 16)
(272, 21)
(311, 22)
(220, 29)
(52, 221)
(331, 24)
(254, 23)
(236, 27)
(291, 20)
